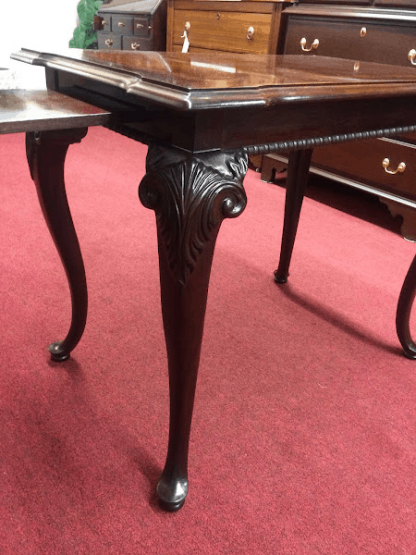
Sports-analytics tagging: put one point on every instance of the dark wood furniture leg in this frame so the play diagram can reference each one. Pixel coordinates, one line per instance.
(46, 152)
(404, 307)
(191, 195)
(297, 178)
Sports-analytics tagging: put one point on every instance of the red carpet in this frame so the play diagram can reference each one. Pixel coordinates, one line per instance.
(304, 437)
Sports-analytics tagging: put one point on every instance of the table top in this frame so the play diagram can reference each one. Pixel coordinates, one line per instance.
(210, 81)
(22, 111)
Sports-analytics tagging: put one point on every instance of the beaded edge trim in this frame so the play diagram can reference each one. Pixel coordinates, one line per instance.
(324, 141)
(267, 148)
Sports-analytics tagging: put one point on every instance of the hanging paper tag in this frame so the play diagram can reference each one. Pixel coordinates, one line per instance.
(185, 46)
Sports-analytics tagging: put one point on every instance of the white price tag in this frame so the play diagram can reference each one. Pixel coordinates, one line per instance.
(185, 46)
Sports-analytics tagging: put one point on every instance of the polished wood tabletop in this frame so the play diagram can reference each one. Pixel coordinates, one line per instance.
(211, 80)
(202, 115)
(23, 111)
(201, 102)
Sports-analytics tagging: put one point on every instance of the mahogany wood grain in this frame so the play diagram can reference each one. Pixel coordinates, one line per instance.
(23, 111)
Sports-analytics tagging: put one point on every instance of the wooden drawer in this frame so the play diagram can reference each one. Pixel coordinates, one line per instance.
(137, 44)
(358, 40)
(122, 24)
(223, 31)
(341, 2)
(109, 41)
(363, 161)
(105, 23)
(142, 26)
(396, 3)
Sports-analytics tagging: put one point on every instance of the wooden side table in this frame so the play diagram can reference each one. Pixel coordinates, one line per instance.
(53, 121)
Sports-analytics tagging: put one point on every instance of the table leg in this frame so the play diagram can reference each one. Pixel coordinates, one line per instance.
(46, 152)
(297, 178)
(404, 307)
(191, 195)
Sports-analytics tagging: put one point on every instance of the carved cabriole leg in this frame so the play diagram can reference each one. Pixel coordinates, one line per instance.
(190, 195)
(297, 178)
(404, 307)
(46, 152)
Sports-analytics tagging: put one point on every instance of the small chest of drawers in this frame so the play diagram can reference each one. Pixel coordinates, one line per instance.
(132, 26)
(225, 26)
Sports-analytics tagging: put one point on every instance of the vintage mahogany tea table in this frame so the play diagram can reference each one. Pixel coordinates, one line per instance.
(202, 115)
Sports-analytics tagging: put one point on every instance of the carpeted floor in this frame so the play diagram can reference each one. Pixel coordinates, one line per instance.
(304, 435)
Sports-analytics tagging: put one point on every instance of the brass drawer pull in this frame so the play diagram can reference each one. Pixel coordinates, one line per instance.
(400, 168)
(250, 33)
(363, 32)
(313, 46)
(121, 24)
(412, 57)
(140, 25)
(135, 46)
(104, 22)
(109, 42)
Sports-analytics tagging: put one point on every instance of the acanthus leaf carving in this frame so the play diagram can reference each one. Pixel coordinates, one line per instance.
(191, 195)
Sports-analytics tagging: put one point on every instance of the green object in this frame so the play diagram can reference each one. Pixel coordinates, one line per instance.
(84, 34)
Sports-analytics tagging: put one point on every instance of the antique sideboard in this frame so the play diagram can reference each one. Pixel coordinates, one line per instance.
(138, 26)
(382, 31)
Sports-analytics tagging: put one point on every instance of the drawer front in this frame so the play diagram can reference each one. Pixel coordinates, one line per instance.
(105, 23)
(363, 161)
(109, 41)
(224, 31)
(357, 40)
(142, 26)
(122, 24)
(390, 44)
(309, 35)
(137, 44)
